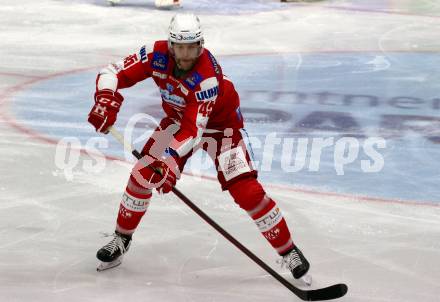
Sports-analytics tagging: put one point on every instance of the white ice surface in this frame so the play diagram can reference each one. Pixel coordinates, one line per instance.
(50, 227)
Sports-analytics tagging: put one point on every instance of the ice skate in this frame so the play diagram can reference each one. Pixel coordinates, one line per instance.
(112, 253)
(298, 265)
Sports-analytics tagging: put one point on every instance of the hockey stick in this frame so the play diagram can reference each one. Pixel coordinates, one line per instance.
(327, 293)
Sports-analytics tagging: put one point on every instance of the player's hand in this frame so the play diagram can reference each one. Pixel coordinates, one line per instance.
(161, 174)
(104, 112)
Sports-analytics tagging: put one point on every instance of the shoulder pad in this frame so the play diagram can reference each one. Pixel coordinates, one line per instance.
(160, 56)
(161, 46)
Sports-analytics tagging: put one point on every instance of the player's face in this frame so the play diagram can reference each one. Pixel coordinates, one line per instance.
(186, 55)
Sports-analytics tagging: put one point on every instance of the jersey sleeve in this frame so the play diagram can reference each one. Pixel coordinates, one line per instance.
(127, 72)
(196, 116)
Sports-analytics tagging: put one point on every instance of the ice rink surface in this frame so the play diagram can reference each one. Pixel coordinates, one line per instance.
(321, 69)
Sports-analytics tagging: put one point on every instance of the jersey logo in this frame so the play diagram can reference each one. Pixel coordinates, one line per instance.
(172, 98)
(170, 87)
(233, 163)
(193, 80)
(207, 95)
(214, 63)
(160, 61)
(143, 53)
(162, 76)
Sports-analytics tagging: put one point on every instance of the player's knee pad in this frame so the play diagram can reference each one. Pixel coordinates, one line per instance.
(248, 193)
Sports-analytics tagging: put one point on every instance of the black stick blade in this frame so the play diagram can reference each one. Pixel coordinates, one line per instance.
(327, 293)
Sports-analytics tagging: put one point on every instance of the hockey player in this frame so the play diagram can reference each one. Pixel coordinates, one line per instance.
(202, 112)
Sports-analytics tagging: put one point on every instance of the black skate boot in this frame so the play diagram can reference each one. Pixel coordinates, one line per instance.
(111, 253)
(297, 264)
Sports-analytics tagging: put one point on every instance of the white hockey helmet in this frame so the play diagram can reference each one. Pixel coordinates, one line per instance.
(185, 28)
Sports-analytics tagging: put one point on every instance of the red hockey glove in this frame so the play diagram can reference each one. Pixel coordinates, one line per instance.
(161, 174)
(105, 110)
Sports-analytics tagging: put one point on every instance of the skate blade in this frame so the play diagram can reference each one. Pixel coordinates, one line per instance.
(108, 265)
(306, 280)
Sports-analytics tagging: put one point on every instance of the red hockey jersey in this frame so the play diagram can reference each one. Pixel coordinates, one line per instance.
(205, 100)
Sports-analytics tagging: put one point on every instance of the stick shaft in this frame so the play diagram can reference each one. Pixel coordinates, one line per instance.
(119, 137)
